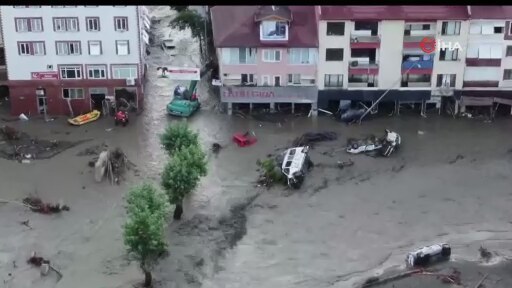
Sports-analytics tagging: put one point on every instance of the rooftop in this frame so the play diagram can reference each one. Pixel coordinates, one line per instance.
(235, 26)
(491, 12)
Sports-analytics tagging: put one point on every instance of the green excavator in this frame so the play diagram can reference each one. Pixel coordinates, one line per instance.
(185, 101)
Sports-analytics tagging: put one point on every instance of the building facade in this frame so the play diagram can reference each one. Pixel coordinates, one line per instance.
(412, 54)
(68, 59)
(268, 55)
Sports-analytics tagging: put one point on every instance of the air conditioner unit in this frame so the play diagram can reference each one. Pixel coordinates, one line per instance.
(130, 81)
(354, 40)
(49, 67)
(354, 63)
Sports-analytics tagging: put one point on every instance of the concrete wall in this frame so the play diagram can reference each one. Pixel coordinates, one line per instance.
(20, 67)
(452, 67)
(390, 63)
(325, 41)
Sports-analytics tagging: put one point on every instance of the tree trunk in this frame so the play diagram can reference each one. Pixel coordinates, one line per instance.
(148, 279)
(201, 47)
(178, 211)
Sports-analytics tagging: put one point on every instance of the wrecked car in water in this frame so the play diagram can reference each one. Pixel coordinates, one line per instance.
(428, 254)
(385, 145)
(295, 165)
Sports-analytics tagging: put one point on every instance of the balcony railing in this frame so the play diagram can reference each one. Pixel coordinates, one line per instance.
(420, 64)
(356, 64)
(481, 84)
(477, 62)
(412, 84)
(364, 38)
(418, 38)
(352, 84)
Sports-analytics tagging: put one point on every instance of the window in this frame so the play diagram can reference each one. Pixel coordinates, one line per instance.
(445, 80)
(299, 56)
(124, 72)
(293, 79)
(509, 51)
(70, 72)
(68, 48)
(448, 55)
(235, 56)
(334, 54)
(507, 74)
(274, 30)
(270, 55)
(31, 48)
(450, 28)
(333, 80)
(97, 72)
(335, 28)
(93, 24)
(29, 24)
(247, 78)
(121, 23)
(65, 24)
(95, 48)
(122, 47)
(265, 80)
(73, 93)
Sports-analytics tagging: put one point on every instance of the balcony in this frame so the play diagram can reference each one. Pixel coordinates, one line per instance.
(414, 33)
(362, 81)
(3, 73)
(365, 41)
(480, 84)
(358, 67)
(478, 62)
(416, 80)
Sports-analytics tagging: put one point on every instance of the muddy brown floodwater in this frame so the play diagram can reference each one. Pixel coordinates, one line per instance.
(450, 183)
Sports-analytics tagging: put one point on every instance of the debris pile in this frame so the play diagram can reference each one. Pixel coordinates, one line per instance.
(37, 205)
(485, 254)
(270, 173)
(112, 163)
(43, 263)
(20, 146)
(216, 147)
(309, 138)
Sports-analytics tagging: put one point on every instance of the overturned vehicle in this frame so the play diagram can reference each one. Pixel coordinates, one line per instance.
(428, 255)
(385, 145)
(295, 165)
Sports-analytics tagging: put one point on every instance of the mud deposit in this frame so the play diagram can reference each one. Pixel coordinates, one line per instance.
(17, 145)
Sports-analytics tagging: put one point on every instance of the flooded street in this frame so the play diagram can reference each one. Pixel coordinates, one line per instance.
(449, 182)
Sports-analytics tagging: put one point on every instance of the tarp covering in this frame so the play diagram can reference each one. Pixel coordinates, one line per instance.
(476, 101)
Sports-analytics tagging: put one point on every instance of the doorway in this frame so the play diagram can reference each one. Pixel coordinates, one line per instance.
(98, 96)
(42, 104)
(277, 81)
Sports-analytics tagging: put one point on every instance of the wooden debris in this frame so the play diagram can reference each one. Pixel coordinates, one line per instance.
(374, 281)
(481, 280)
(43, 263)
(37, 205)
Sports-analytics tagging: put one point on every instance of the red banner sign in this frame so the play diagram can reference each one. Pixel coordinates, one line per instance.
(48, 75)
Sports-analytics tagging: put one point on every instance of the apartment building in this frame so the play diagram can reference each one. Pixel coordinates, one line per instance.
(366, 51)
(4, 90)
(268, 55)
(488, 71)
(65, 60)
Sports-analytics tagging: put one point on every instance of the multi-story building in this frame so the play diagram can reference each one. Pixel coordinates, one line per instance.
(488, 71)
(267, 55)
(366, 51)
(68, 59)
(399, 54)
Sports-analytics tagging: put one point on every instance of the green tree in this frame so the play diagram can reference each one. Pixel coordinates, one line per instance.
(145, 227)
(181, 175)
(193, 20)
(178, 136)
(179, 8)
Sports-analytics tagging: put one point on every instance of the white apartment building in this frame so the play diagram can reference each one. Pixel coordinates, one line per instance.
(62, 58)
(365, 51)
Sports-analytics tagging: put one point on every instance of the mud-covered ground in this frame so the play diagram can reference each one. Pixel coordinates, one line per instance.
(450, 182)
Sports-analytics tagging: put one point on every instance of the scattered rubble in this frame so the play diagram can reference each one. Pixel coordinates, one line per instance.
(44, 264)
(216, 147)
(485, 254)
(20, 146)
(457, 158)
(37, 205)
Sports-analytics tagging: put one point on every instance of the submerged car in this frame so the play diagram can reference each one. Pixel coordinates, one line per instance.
(386, 145)
(295, 165)
(428, 254)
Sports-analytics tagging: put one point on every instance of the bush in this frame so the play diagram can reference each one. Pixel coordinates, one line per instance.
(178, 136)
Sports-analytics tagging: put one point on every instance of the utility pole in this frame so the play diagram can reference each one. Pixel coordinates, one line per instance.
(385, 93)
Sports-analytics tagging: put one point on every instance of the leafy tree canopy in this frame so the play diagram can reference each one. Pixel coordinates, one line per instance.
(178, 136)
